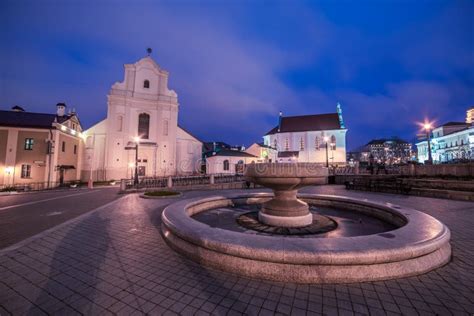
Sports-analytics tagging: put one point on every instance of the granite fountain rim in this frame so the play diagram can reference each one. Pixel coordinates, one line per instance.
(421, 235)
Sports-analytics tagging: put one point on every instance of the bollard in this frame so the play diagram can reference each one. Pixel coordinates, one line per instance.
(170, 182)
(211, 179)
(123, 185)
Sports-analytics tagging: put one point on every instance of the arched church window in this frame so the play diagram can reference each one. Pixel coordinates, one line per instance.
(165, 127)
(226, 165)
(119, 123)
(146, 84)
(333, 142)
(143, 125)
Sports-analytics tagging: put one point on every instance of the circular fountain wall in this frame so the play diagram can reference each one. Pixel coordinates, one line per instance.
(408, 243)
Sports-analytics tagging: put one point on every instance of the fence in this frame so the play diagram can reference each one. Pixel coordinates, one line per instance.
(454, 170)
(180, 181)
(37, 186)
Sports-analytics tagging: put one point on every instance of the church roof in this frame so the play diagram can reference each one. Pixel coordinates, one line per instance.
(229, 153)
(30, 119)
(304, 123)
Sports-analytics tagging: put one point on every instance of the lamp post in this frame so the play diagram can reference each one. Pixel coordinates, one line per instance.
(427, 127)
(137, 141)
(326, 140)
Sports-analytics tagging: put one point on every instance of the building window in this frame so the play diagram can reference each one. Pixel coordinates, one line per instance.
(26, 171)
(75, 149)
(146, 84)
(226, 165)
(143, 125)
(63, 146)
(29, 143)
(275, 144)
(317, 143)
(165, 127)
(301, 144)
(119, 123)
(333, 142)
(287, 144)
(73, 126)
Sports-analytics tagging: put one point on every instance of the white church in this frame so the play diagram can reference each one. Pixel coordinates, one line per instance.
(141, 111)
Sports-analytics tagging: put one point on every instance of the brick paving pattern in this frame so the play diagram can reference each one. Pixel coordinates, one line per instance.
(114, 261)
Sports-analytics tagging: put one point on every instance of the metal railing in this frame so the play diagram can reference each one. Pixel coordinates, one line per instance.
(181, 181)
(37, 186)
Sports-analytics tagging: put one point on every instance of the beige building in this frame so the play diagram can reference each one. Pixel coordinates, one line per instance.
(264, 153)
(228, 161)
(39, 149)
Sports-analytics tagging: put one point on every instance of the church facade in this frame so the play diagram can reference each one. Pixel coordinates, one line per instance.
(319, 138)
(142, 120)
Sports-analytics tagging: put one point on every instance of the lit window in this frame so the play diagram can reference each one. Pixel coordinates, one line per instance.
(146, 84)
(317, 143)
(119, 123)
(333, 142)
(226, 165)
(26, 171)
(29, 143)
(143, 125)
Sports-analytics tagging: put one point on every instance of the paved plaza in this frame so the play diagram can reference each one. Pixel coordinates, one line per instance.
(114, 261)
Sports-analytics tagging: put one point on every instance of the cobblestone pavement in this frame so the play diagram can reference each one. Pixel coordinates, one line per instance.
(114, 261)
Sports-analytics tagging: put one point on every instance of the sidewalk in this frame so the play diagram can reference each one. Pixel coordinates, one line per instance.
(114, 261)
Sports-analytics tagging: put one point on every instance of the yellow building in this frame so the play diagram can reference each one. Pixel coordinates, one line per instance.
(470, 116)
(39, 150)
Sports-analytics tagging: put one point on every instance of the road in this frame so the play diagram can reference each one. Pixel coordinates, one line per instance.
(25, 215)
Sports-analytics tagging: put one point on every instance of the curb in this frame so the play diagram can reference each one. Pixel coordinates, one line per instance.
(143, 196)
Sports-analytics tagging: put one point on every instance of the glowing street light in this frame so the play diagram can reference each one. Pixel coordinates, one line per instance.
(137, 141)
(428, 127)
(326, 140)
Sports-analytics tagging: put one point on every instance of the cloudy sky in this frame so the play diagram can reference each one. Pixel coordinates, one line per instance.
(236, 63)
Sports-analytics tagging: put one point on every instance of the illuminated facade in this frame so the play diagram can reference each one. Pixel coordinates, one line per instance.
(305, 138)
(40, 148)
(453, 141)
(141, 106)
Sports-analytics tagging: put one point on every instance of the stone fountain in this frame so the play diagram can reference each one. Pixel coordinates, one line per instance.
(408, 243)
(285, 209)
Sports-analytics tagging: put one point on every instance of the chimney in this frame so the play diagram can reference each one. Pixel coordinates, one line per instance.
(279, 120)
(60, 109)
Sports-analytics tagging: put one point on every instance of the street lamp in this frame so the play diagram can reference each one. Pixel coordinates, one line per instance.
(137, 141)
(427, 127)
(326, 140)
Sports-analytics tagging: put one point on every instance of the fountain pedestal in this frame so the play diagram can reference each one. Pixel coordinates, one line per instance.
(285, 209)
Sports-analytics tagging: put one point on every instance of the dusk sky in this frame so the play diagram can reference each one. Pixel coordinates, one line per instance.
(235, 64)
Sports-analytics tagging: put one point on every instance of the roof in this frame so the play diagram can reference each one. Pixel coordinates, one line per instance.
(187, 131)
(454, 124)
(381, 141)
(288, 154)
(303, 123)
(30, 119)
(229, 153)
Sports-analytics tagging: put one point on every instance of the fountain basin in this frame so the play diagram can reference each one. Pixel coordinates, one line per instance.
(419, 244)
(285, 209)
